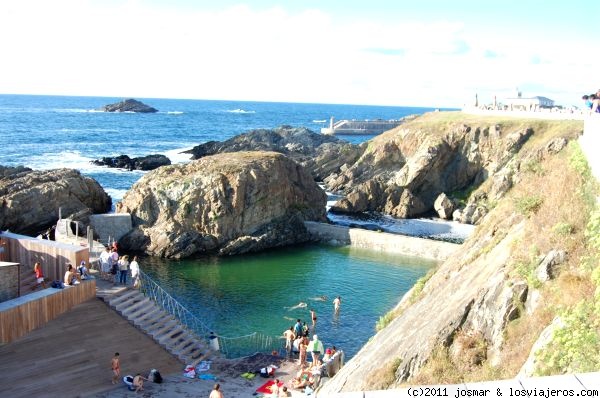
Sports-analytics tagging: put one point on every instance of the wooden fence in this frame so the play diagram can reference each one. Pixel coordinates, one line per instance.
(24, 314)
(53, 256)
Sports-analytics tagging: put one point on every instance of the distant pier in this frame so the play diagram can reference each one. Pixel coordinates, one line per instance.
(359, 127)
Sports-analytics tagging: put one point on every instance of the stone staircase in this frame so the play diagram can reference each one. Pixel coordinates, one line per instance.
(167, 331)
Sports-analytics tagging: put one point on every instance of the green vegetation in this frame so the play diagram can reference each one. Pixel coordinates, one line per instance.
(526, 269)
(563, 228)
(462, 196)
(419, 285)
(414, 296)
(574, 346)
(528, 205)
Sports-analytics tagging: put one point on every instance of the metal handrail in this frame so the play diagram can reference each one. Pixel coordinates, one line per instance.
(230, 347)
(157, 294)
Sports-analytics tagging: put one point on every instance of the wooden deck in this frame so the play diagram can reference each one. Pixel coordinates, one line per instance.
(70, 356)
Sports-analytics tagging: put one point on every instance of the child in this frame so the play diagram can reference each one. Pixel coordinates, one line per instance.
(39, 275)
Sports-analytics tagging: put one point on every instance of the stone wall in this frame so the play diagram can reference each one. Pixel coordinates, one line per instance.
(112, 226)
(382, 241)
(9, 281)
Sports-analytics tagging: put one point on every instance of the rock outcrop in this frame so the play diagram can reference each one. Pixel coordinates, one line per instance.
(229, 203)
(476, 294)
(129, 105)
(321, 154)
(403, 171)
(29, 200)
(443, 206)
(146, 163)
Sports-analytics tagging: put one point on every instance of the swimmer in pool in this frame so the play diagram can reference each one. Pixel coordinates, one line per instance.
(299, 305)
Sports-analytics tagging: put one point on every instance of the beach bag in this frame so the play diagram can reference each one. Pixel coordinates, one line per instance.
(155, 376)
(269, 371)
(57, 285)
(128, 380)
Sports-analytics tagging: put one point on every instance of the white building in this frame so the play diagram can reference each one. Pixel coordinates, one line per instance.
(531, 103)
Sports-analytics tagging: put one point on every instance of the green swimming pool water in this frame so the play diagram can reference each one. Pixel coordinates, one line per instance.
(239, 295)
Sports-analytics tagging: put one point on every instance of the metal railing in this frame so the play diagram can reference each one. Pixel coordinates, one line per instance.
(230, 347)
(237, 347)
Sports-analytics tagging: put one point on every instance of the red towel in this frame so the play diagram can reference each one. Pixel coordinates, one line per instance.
(266, 388)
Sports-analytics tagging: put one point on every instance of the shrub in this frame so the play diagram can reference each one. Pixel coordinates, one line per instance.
(563, 229)
(528, 205)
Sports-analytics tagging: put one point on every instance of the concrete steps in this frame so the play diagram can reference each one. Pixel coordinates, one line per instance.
(167, 331)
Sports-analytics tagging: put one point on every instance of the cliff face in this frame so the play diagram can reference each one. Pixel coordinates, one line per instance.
(229, 203)
(464, 309)
(30, 199)
(404, 170)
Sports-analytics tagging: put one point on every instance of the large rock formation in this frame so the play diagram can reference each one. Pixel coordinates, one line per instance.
(129, 105)
(146, 163)
(404, 170)
(471, 299)
(226, 204)
(29, 200)
(321, 154)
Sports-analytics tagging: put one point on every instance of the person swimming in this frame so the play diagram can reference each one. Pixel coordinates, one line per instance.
(319, 298)
(299, 305)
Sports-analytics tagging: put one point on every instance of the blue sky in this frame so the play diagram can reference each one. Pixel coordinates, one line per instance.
(419, 53)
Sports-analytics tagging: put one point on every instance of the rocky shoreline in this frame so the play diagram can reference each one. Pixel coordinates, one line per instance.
(255, 191)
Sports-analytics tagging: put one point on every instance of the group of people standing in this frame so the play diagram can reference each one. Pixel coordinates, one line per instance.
(592, 102)
(297, 338)
(116, 268)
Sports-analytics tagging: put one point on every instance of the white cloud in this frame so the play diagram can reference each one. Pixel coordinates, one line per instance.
(127, 48)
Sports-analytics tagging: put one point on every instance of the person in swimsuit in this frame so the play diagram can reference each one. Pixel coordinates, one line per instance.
(313, 316)
(336, 304)
(216, 392)
(39, 276)
(115, 365)
(138, 382)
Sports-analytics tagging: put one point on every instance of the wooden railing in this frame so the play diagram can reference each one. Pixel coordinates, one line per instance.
(53, 256)
(24, 314)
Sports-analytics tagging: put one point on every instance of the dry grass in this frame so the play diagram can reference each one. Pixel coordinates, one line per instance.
(558, 221)
(384, 377)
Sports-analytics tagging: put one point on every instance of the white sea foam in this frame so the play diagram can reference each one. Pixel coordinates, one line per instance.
(73, 110)
(319, 121)
(71, 160)
(239, 111)
(176, 156)
(116, 194)
(67, 159)
(174, 113)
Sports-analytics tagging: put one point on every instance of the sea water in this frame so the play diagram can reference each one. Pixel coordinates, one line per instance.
(234, 295)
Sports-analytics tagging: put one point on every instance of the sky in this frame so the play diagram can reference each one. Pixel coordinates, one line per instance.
(430, 53)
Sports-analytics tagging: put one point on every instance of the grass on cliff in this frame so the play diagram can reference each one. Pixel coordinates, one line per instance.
(556, 199)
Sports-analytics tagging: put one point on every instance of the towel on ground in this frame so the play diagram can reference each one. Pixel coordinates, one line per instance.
(203, 366)
(248, 375)
(266, 388)
(189, 372)
(207, 376)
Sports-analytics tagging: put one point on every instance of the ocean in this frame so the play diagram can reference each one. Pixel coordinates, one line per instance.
(46, 132)
(237, 295)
